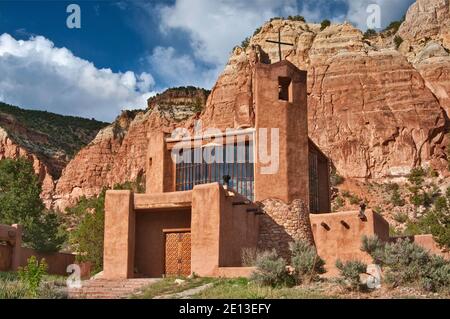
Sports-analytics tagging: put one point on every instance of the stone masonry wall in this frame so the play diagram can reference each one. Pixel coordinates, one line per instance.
(283, 223)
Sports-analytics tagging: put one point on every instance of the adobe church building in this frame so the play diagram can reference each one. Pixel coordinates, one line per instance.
(192, 219)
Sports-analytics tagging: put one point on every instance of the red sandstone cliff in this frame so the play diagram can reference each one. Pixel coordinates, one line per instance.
(375, 109)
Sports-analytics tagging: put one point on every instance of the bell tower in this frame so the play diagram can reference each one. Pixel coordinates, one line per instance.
(281, 115)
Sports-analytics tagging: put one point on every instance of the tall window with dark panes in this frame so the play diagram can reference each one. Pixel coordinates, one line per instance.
(212, 163)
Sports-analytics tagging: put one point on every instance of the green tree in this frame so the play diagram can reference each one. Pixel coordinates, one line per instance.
(20, 203)
(87, 237)
(370, 33)
(325, 24)
(47, 233)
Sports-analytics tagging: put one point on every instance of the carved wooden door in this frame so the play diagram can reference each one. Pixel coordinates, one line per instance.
(178, 254)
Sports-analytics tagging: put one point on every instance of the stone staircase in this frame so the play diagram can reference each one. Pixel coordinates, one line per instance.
(109, 289)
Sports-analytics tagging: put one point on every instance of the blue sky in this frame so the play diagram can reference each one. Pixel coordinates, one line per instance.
(127, 51)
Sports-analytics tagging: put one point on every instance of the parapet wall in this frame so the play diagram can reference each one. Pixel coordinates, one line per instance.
(13, 255)
(338, 236)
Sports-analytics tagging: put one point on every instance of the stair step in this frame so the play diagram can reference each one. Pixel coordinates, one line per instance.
(109, 289)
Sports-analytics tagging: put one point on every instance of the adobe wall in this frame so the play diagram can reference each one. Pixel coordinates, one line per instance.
(5, 257)
(118, 250)
(57, 262)
(338, 236)
(150, 241)
(427, 242)
(283, 223)
(13, 255)
(220, 230)
(160, 174)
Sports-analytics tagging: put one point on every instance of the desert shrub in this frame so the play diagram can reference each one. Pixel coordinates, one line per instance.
(407, 263)
(271, 270)
(435, 221)
(370, 33)
(398, 40)
(350, 271)
(306, 262)
(248, 257)
(370, 244)
(391, 187)
(338, 203)
(436, 275)
(400, 217)
(297, 18)
(346, 194)
(31, 275)
(335, 178)
(397, 199)
(325, 24)
(355, 200)
(12, 290)
(416, 176)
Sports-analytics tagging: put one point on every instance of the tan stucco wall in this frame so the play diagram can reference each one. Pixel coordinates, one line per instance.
(150, 241)
(344, 243)
(220, 230)
(118, 252)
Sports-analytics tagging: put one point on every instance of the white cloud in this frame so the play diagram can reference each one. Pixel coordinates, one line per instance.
(215, 27)
(391, 10)
(36, 74)
(181, 70)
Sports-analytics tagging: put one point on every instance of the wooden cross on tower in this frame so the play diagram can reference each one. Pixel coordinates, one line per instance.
(280, 43)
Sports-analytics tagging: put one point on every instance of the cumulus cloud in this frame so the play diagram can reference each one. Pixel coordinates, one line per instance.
(36, 74)
(390, 10)
(215, 27)
(181, 69)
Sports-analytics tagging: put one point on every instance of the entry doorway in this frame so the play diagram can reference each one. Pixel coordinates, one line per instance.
(177, 252)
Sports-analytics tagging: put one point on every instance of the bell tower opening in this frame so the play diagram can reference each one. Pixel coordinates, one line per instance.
(284, 89)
